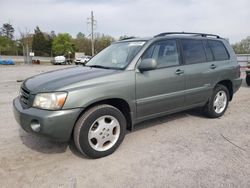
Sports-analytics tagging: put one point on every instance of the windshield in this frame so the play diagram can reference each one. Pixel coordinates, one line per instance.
(116, 56)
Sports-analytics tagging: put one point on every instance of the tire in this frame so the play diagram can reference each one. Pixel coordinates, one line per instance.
(248, 80)
(94, 135)
(215, 109)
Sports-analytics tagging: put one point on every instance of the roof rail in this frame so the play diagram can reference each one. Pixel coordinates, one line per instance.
(187, 33)
(126, 38)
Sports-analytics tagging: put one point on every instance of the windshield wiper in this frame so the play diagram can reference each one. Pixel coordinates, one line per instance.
(98, 66)
(103, 67)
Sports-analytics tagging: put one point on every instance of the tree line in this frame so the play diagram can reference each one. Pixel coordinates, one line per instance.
(48, 44)
(51, 44)
(242, 47)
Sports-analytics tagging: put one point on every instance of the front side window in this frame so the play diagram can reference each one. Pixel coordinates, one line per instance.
(164, 52)
(116, 56)
(193, 51)
(219, 50)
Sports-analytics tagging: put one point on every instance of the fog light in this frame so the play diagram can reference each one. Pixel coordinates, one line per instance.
(35, 125)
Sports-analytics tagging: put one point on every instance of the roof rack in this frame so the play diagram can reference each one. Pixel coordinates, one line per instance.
(126, 38)
(187, 33)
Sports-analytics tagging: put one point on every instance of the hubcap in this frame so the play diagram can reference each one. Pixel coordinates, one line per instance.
(220, 102)
(104, 133)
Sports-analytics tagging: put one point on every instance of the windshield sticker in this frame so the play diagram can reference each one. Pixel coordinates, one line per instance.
(136, 43)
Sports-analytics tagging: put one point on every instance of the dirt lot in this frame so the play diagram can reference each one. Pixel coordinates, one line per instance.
(181, 150)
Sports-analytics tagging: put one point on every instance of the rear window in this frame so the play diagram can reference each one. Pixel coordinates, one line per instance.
(193, 51)
(219, 50)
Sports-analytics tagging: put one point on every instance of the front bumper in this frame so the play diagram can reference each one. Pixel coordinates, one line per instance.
(57, 125)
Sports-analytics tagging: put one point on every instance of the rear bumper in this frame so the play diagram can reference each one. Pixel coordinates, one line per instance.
(56, 125)
(236, 84)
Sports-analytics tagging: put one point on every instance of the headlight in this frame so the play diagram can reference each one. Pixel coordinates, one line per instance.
(50, 101)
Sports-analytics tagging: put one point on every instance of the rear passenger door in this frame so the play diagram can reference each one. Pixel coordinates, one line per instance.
(205, 61)
(199, 72)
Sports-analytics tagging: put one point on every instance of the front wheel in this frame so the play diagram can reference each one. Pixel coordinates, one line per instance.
(99, 131)
(218, 102)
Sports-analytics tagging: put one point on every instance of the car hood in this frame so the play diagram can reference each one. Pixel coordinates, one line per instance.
(54, 80)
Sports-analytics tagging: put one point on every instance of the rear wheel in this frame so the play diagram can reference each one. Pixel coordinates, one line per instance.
(248, 80)
(99, 131)
(218, 102)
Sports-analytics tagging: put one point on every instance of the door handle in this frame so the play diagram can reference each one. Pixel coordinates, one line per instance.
(179, 72)
(213, 66)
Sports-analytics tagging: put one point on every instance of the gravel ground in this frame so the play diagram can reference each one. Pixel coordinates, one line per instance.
(180, 150)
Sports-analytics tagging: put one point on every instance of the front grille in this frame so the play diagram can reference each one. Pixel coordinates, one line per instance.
(25, 98)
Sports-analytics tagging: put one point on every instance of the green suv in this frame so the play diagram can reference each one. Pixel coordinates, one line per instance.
(130, 81)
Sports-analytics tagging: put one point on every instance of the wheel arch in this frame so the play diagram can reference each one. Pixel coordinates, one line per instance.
(119, 103)
(229, 85)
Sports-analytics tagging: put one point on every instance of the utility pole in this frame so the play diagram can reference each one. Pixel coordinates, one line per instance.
(92, 22)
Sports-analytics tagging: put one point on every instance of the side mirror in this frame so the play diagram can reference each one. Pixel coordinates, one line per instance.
(147, 64)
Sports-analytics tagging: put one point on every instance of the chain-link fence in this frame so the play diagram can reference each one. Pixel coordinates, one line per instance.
(21, 59)
(243, 59)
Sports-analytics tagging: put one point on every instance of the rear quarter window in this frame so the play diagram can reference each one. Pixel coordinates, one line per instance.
(193, 51)
(219, 50)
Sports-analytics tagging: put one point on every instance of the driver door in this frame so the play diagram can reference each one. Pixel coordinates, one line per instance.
(161, 90)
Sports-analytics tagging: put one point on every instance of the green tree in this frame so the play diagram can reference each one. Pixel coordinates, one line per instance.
(62, 44)
(242, 47)
(39, 43)
(52, 34)
(48, 48)
(102, 42)
(50, 39)
(7, 30)
(82, 44)
(80, 35)
(6, 46)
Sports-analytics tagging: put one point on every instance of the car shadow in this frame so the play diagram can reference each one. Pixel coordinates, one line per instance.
(41, 144)
(168, 118)
(74, 150)
(46, 146)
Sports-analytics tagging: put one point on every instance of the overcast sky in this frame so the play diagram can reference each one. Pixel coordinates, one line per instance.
(228, 18)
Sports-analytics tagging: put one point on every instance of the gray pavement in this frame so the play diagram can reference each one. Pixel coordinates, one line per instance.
(180, 150)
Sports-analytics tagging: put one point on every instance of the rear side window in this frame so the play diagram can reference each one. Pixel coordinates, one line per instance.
(219, 50)
(193, 51)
